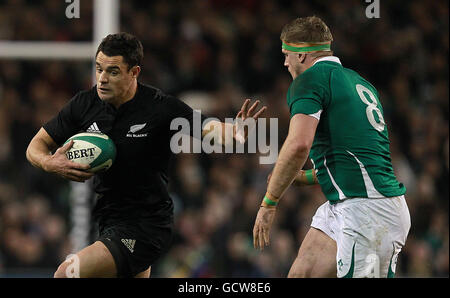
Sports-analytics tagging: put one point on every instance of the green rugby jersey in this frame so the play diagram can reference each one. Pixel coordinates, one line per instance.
(350, 151)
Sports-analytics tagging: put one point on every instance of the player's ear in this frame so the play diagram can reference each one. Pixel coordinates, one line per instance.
(302, 57)
(135, 70)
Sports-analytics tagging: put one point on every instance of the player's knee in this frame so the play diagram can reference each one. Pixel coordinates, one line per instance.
(61, 271)
(301, 268)
(298, 273)
(144, 274)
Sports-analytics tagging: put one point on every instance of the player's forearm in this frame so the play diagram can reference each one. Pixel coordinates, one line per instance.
(37, 153)
(291, 159)
(40, 149)
(222, 132)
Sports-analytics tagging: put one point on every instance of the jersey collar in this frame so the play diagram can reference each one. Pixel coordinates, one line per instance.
(329, 58)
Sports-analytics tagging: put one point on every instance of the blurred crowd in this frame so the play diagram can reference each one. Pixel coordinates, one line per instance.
(213, 54)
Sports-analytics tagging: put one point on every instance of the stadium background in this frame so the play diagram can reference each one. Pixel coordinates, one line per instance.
(215, 54)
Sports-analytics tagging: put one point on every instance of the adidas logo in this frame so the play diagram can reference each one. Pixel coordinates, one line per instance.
(129, 243)
(93, 128)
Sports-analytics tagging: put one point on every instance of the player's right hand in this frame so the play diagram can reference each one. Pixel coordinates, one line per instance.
(60, 165)
(261, 229)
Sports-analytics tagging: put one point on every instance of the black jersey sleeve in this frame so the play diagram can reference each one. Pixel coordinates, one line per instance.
(176, 108)
(66, 123)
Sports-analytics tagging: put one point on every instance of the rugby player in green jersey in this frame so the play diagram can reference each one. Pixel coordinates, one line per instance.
(337, 120)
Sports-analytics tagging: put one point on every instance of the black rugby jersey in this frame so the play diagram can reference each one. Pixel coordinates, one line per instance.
(140, 129)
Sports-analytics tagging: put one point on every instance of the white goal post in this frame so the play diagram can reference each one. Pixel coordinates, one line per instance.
(106, 20)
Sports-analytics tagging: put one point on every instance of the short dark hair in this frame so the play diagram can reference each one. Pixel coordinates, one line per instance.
(308, 29)
(125, 45)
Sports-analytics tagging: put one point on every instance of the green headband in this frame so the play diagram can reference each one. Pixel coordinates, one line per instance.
(322, 47)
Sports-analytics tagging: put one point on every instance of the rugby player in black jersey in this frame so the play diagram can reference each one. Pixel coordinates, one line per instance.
(134, 211)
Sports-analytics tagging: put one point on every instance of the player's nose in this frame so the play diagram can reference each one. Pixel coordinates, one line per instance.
(103, 78)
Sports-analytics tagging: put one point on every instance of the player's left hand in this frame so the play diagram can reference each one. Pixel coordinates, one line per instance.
(240, 133)
(261, 230)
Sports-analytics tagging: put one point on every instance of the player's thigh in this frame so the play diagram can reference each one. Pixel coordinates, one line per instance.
(316, 256)
(375, 232)
(144, 274)
(92, 261)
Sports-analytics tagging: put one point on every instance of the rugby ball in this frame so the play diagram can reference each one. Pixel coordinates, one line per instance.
(94, 149)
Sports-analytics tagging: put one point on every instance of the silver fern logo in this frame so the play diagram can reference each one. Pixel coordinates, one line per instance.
(132, 133)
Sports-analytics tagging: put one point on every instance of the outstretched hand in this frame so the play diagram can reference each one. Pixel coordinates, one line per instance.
(261, 229)
(243, 117)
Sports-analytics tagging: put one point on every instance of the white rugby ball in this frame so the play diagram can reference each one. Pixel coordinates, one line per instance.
(94, 149)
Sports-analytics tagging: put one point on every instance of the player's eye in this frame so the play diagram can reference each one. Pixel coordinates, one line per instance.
(114, 73)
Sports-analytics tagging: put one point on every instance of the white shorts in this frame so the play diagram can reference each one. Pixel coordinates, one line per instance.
(369, 234)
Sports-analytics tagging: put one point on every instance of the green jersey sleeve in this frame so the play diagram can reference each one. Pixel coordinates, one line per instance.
(308, 93)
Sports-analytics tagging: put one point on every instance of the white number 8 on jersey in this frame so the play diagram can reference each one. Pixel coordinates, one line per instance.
(371, 106)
